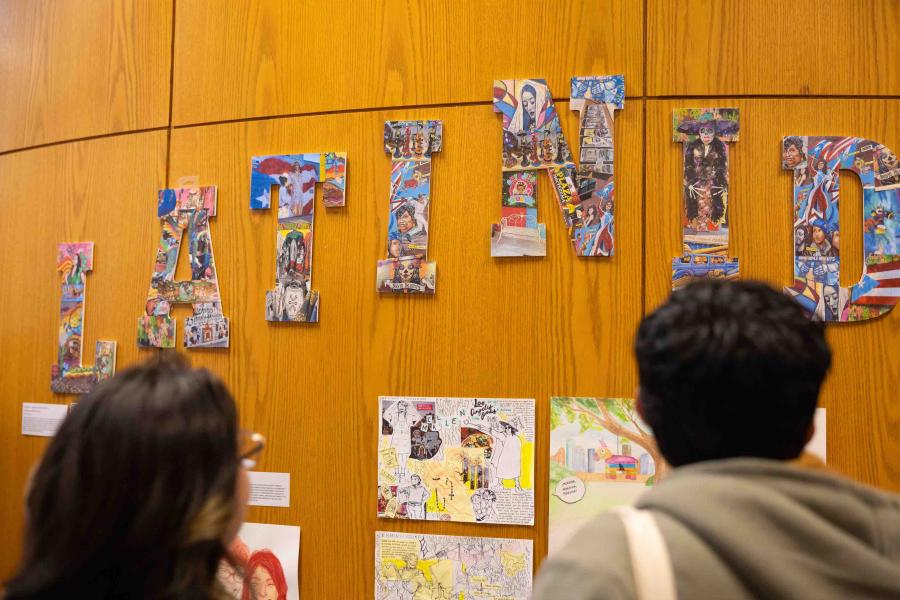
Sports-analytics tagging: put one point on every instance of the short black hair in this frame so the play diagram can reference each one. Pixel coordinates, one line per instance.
(730, 369)
(795, 141)
(406, 208)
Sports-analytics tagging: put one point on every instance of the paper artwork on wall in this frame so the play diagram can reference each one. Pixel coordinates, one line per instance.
(179, 210)
(410, 145)
(268, 557)
(412, 566)
(456, 459)
(705, 134)
(295, 176)
(816, 162)
(69, 375)
(533, 140)
(602, 455)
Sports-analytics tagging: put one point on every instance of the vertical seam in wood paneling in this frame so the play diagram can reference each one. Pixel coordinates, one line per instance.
(159, 351)
(171, 93)
(644, 165)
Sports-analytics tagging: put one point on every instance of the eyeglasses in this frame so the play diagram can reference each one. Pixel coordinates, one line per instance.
(250, 444)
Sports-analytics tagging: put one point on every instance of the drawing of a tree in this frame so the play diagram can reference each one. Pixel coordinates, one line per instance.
(616, 415)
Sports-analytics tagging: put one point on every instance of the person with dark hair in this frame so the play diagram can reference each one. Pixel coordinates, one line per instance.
(729, 379)
(139, 493)
(792, 152)
(706, 168)
(406, 220)
(529, 107)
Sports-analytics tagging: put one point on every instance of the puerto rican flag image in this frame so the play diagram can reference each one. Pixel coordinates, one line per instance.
(880, 284)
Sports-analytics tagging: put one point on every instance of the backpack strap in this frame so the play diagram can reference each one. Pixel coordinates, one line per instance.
(654, 578)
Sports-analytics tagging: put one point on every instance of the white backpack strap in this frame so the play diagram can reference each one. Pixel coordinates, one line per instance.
(654, 578)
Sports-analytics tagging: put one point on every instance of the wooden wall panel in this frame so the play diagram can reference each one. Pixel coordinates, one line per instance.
(508, 328)
(523, 328)
(262, 58)
(740, 47)
(79, 68)
(102, 191)
(861, 392)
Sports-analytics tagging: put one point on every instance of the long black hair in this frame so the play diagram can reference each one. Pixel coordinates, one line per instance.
(134, 495)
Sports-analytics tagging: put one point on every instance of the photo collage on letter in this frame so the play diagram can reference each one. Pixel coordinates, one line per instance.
(704, 134)
(456, 459)
(69, 375)
(295, 176)
(182, 209)
(816, 163)
(533, 140)
(410, 145)
(596, 98)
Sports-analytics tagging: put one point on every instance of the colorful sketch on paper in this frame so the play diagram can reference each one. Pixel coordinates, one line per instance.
(533, 140)
(816, 162)
(185, 209)
(456, 459)
(704, 134)
(416, 566)
(69, 375)
(411, 145)
(268, 560)
(295, 176)
(601, 456)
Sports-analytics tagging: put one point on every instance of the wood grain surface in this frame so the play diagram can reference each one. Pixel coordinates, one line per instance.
(500, 328)
(78, 68)
(861, 391)
(753, 47)
(280, 57)
(99, 191)
(531, 328)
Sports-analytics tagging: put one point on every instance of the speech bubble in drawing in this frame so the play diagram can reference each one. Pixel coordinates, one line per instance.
(570, 490)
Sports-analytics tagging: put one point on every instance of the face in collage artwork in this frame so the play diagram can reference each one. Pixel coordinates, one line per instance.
(705, 134)
(295, 177)
(456, 459)
(816, 163)
(410, 145)
(183, 210)
(533, 140)
(69, 375)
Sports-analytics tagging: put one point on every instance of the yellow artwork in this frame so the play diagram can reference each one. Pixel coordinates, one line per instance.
(456, 459)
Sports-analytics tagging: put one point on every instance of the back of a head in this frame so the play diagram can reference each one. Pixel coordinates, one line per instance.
(132, 496)
(730, 369)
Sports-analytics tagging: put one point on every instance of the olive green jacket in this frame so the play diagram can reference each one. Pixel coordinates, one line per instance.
(745, 528)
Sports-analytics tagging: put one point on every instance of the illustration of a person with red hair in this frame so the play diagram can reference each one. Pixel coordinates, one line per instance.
(264, 577)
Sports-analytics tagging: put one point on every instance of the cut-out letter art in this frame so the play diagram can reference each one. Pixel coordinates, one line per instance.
(533, 140)
(68, 375)
(602, 455)
(413, 566)
(816, 162)
(410, 144)
(704, 134)
(181, 209)
(296, 176)
(456, 459)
